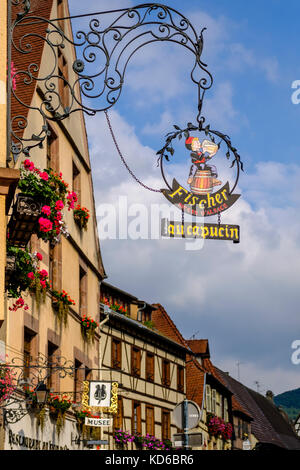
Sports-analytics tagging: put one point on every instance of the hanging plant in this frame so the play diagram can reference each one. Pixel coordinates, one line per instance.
(61, 302)
(88, 328)
(81, 216)
(51, 190)
(58, 407)
(27, 276)
(7, 385)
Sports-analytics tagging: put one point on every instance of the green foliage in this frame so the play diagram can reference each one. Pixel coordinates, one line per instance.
(290, 402)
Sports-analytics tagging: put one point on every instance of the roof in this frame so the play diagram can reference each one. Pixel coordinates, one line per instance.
(268, 425)
(126, 294)
(41, 8)
(195, 374)
(199, 346)
(145, 330)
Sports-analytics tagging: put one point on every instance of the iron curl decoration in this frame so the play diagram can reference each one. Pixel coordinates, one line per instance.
(102, 57)
(30, 375)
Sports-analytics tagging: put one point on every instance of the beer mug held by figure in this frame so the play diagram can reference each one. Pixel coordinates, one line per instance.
(202, 177)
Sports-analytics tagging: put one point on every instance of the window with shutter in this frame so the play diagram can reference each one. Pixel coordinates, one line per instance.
(135, 361)
(150, 420)
(136, 417)
(166, 373)
(82, 291)
(213, 401)
(116, 353)
(150, 367)
(180, 378)
(208, 398)
(165, 422)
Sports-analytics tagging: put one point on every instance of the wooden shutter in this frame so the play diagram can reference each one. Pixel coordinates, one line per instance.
(166, 373)
(135, 361)
(116, 354)
(136, 417)
(165, 424)
(150, 367)
(150, 420)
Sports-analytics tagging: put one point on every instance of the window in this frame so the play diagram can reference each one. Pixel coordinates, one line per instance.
(53, 380)
(82, 291)
(150, 367)
(77, 381)
(221, 407)
(52, 154)
(165, 424)
(63, 80)
(76, 183)
(116, 353)
(60, 13)
(213, 402)
(166, 373)
(226, 417)
(245, 429)
(118, 418)
(55, 266)
(28, 350)
(180, 378)
(150, 420)
(136, 417)
(208, 398)
(135, 361)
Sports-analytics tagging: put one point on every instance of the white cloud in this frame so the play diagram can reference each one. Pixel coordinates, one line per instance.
(237, 295)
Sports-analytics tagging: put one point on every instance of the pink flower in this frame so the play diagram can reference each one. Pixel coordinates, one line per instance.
(45, 224)
(43, 284)
(46, 210)
(58, 215)
(59, 205)
(44, 175)
(43, 273)
(28, 165)
(39, 256)
(72, 198)
(30, 276)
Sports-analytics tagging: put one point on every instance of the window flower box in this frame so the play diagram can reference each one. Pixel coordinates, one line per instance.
(24, 218)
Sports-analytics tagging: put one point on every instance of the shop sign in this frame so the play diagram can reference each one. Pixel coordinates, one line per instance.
(98, 422)
(193, 230)
(25, 442)
(100, 395)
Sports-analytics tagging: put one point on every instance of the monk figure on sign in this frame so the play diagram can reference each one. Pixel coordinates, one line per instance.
(202, 177)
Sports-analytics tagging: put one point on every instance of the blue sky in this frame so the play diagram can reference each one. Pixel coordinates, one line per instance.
(245, 297)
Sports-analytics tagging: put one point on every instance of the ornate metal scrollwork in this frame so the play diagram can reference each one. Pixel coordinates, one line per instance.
(102, 54)
(30, 375)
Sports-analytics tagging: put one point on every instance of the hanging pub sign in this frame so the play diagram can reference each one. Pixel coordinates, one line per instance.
(100, 395)
(204, 193)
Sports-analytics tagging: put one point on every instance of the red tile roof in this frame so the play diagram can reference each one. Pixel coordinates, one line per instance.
(32, 55)
(199, 346)
(195, 374)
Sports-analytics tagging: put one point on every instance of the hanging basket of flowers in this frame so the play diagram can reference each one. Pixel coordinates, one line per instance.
(116, 307)
(61, 302)
(88, 328)
(81, 216)
(26, 275)
(43, 196)
(58, 406)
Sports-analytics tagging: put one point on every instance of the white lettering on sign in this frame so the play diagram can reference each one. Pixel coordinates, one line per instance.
(97, 422)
